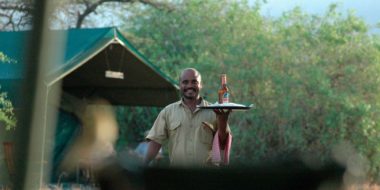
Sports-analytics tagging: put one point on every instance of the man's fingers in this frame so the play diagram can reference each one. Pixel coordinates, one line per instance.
(222, 111)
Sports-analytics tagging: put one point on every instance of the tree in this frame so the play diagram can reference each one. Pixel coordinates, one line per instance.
(16, 15)
(314, 79)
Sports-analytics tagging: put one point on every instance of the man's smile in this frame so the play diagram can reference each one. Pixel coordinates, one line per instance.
(193, 89)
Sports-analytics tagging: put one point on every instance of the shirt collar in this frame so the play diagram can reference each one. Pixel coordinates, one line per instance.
(203, 102)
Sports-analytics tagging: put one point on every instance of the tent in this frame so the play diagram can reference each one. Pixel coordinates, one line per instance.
(89, 55)
(99, 63)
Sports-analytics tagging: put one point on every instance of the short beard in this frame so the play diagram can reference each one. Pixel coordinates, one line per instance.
(188, 98)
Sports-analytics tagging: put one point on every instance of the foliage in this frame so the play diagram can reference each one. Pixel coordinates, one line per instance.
(5, 59)
(7, 116)
(313, 79)
(134, 121)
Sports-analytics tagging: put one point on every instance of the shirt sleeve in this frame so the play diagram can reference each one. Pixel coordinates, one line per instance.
(158, 132)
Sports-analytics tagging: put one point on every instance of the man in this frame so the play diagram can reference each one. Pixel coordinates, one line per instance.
(194, 135)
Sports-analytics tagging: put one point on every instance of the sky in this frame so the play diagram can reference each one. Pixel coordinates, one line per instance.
(369, 10)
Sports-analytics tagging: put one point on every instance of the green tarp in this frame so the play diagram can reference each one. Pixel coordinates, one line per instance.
(88, 54)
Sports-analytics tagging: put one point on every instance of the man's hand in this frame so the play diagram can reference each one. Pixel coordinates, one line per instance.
(222, 115)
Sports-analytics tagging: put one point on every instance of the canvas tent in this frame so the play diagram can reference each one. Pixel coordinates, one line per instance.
(81, 72)
(89, 53)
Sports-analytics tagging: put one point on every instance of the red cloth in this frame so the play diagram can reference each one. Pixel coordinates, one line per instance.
(219, 156)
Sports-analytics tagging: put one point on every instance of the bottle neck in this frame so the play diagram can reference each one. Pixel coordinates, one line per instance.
(224, 79)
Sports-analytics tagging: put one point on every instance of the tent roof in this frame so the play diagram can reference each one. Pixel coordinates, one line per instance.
(89, 53)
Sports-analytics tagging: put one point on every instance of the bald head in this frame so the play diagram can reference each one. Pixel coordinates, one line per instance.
(190, 71)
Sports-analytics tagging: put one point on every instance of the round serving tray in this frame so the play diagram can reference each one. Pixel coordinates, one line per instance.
(231, 106)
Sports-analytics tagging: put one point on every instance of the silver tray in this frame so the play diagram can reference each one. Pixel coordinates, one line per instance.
(231, 106)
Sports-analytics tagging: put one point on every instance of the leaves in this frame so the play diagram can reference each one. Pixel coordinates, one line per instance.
(133, 122)
(5, 59)
(7, 117)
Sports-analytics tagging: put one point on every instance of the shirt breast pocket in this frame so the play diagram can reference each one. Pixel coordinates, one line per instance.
(173, 129)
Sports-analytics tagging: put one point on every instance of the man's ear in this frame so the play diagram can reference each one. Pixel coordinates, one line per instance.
(200, 85)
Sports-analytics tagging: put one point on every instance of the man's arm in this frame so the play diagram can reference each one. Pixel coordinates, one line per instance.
(153, 149)
(222, 118)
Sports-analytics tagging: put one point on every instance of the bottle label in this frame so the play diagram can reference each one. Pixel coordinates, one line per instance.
(226, 97)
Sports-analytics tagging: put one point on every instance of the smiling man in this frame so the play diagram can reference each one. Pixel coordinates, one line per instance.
(196, 137)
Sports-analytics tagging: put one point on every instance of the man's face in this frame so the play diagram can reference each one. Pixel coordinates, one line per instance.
(190, 84)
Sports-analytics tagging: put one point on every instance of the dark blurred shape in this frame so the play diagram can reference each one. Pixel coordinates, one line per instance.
(284, 175)
(28, 88)
(114, 176)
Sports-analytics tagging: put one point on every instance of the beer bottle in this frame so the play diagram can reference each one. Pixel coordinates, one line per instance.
(223, 92)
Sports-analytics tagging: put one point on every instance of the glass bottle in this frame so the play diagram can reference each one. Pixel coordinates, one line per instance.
(223, 92)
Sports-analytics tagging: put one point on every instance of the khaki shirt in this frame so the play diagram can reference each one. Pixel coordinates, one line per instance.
(189, 142)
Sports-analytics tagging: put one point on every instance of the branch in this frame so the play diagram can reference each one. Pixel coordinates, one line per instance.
(91, 7)
(21, 7)
(158, 5)
(153, 3)
(26, 9)
(8, 10)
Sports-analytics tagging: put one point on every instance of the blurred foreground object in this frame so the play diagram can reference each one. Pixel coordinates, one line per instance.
(93, 150)
(277, 175)
(357, 167)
